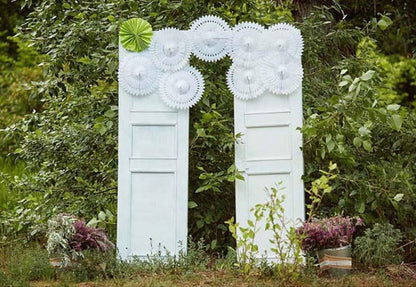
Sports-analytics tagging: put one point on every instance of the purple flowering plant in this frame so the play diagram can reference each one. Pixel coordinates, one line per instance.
(333, 232)
(86, 237)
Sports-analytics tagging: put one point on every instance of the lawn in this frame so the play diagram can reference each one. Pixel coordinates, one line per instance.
(29, 265)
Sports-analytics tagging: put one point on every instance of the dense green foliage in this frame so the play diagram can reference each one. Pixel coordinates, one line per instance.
(17, 94)
(379, 246)
(358, 70)
(11, 14)
(370, 139)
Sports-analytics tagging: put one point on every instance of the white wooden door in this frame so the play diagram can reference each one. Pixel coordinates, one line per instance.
(153, 176)
(269, 152)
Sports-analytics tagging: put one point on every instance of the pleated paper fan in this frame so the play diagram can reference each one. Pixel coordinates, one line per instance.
(244, 45)
(171, 49)
(182, 89)
(245, 82)
(135, 34)
(282, 75)
(210, 38)
(138, 75)
(282, 40)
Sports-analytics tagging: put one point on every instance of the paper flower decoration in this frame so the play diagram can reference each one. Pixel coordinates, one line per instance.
(210, 38)
(282, 40)
(170, 49)
(244, 46)
(182, 89)
(262, 59)
(135, 34)
(138, 75)
(283, 75)
(245, 82)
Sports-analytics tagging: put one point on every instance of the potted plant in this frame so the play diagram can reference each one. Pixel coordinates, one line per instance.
(68, 237)
(331, 239)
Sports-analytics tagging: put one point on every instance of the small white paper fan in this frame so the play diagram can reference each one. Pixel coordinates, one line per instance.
(283, 75)
(245, 82)
(244, 46)
(210, 38)
(171, 49)
(182, 89)
(137, 74)
(282, 39)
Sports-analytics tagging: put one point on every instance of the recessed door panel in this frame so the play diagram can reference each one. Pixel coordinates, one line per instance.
(153, 206)
(268, 143)
(154, 141)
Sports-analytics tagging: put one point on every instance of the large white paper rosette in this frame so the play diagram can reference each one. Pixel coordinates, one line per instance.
(282, 40)
(245, 43)
(283, 75)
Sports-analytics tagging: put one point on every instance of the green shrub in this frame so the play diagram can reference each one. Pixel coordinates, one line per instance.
(379, 246)
(18, 93)
(348, 122)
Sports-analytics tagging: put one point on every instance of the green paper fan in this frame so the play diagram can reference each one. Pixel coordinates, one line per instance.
(135, 34)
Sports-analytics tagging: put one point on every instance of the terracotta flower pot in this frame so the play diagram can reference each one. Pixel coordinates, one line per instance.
(336, 261)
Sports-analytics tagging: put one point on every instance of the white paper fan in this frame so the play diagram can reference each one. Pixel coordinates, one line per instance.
(137, 74)
(283, 75)
(210, 34)
(171, 49)
(182, 89)
(245, 82)
(282, 39)
(244, 46)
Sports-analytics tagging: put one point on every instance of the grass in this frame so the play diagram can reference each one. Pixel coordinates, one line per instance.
(29, 266)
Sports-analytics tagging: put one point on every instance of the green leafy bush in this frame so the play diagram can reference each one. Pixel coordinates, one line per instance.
(347, 122)
(18, 95)
(379, 246)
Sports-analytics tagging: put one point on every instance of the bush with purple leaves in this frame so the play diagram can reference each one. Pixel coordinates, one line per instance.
(86, 237)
